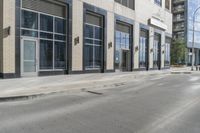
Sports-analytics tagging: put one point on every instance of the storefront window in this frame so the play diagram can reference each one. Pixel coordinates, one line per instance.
(167, 51)
(143, 48)
(52, 36)
(46, 54)
(156, 51)
(93, 42)
(122, 47)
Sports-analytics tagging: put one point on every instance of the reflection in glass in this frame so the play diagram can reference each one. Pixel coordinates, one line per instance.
(60, 26)
(46, 35)
(46, 54)
(59, 55)
(191, 7)
(122, 42)
(60, 37)
(46, 23)
(51, 31)
(29, 20)
(29, 56)
(29, 33)
(89, 56)
(89, 32)
(143, 52)
(93, 43)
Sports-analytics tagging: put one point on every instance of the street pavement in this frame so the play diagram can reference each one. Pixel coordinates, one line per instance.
(154, 104)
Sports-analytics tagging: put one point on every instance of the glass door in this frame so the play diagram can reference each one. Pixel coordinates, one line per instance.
(28, 57)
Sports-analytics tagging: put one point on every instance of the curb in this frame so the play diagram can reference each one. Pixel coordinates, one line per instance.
(34, 96)
(26, 97)
(181, 72)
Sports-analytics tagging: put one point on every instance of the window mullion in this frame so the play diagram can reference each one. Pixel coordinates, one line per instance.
(93, 47)
(53, 43)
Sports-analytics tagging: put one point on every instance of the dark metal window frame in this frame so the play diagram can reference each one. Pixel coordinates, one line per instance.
(127, 3)
(146, 49)
(130, 22)
(68, 5)
(87, 8)
(157, 63)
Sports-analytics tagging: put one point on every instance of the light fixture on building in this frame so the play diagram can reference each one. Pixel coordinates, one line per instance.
(7, 31)
(151, 50)
(110, 45)
(163, 52)
(136, 48)
(76, 40)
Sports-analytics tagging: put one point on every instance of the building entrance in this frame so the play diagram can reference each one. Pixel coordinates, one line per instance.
(29, 62)
(123, 48)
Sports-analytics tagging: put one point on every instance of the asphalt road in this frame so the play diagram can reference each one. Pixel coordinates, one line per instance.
(156, 104)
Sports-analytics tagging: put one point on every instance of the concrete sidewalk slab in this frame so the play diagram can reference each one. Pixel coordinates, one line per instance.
(183, 70)
(26, 88)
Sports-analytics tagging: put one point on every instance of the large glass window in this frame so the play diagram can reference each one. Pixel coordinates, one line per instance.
(29, 24)
(143, 48)
(156, 51)
(167, 51)
(93, 42)
(192, 5)
(122, 43)
(52, 36)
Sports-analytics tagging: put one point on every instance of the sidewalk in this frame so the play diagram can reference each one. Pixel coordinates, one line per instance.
(34, 86)
(183, 70)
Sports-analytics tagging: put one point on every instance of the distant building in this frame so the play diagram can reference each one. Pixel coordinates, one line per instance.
(183, 11)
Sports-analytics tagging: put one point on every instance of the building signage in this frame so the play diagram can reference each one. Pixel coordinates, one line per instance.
(157, 23)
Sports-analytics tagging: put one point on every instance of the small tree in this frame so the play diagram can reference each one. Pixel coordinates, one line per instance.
(178, 49)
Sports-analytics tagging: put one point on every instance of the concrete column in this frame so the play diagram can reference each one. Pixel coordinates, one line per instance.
(7, 45)
(77, 31)
(110, 38)
(162, 49)
(136, 44)
(151, 41)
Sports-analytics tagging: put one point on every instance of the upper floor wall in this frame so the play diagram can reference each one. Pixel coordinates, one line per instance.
(142, 11)
(150, 9)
